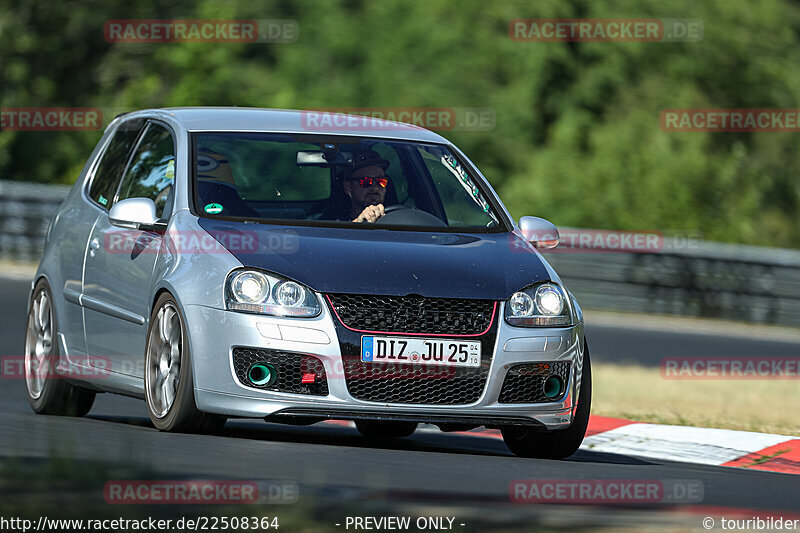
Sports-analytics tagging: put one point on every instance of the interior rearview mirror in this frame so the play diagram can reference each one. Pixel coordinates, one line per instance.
(320, 158)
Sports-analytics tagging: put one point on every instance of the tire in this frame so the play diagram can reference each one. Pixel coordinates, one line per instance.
(169, 384)
(48, 393)
(375, 429)
(558, 444)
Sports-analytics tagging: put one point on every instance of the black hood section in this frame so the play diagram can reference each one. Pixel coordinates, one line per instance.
(488, 266)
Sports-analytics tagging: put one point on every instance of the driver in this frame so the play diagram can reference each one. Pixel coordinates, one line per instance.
(366, 185)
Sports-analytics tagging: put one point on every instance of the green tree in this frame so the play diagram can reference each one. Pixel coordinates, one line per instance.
(577, 138)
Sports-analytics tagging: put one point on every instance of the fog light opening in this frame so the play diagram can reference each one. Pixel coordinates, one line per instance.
(553, 387)
(262, 375)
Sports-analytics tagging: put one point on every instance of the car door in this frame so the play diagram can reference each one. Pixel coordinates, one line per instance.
(120, 262)
(76, 220)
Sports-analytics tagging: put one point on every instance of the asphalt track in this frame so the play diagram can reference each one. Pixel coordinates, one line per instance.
(468, 476)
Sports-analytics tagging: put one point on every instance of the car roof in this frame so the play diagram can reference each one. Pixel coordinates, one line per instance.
(252, 119)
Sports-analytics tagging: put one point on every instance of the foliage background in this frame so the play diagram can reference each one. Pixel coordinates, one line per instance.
(577, 138)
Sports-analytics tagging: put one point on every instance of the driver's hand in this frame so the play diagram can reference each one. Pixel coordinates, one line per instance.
(371, 213)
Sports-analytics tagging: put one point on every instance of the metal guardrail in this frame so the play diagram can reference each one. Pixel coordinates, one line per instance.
(25, 213)
(717, 280)
(746, 283)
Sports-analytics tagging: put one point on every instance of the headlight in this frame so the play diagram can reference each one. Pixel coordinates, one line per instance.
(249, 291)
(521, 304)
(541, 305)
(249, 287)
(289, 294)
(549, 301)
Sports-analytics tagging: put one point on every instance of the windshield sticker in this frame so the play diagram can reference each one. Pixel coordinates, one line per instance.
(170, 169)
(103, 200)
(213, 209)
(466, 182)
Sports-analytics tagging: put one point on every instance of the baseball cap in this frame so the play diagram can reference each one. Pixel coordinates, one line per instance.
(367, 158)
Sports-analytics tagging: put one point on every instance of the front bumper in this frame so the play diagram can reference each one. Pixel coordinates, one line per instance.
(213, 333)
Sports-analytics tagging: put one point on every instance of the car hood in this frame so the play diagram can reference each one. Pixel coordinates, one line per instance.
(389, 262)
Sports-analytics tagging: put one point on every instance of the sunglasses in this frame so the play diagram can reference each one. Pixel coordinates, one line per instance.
(369, 181)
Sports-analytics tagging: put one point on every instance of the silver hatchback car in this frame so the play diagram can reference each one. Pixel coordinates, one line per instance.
(226, 262)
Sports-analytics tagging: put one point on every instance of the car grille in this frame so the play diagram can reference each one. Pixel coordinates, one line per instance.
(290, 368)
(525, 383)
(431, 385)
(413, 314)
(396, 316)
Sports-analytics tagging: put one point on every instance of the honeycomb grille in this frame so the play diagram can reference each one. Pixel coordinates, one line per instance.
(430, 385)
(525, 383)
(413, 314)
(289, 367)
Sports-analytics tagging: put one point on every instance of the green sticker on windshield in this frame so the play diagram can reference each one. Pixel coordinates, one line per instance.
(213, 209)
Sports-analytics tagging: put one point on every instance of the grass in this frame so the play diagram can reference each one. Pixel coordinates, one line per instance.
(641, 394)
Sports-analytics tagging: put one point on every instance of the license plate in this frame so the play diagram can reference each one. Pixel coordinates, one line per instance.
(420, 351)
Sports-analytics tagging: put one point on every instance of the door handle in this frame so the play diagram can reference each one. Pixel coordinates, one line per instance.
(94, 245)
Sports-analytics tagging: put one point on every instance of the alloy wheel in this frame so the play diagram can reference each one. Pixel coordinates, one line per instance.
(164, 350)
(38, 344)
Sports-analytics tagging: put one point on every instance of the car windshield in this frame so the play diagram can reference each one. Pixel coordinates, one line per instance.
(326, 180)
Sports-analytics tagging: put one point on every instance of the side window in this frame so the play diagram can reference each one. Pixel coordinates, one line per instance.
(112, 163)
(152, 170)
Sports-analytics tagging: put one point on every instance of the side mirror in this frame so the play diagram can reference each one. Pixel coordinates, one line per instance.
(135, 213)
(539, 232)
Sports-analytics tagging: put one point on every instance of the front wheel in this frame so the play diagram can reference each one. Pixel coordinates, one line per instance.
(169, 386)
(48, 392)
(561, 443)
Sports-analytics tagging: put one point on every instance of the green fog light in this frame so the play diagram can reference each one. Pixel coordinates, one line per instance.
(553, 387)
(261, 375)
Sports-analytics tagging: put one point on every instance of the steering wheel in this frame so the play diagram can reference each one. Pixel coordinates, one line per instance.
(395, 207)
(407, 215)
